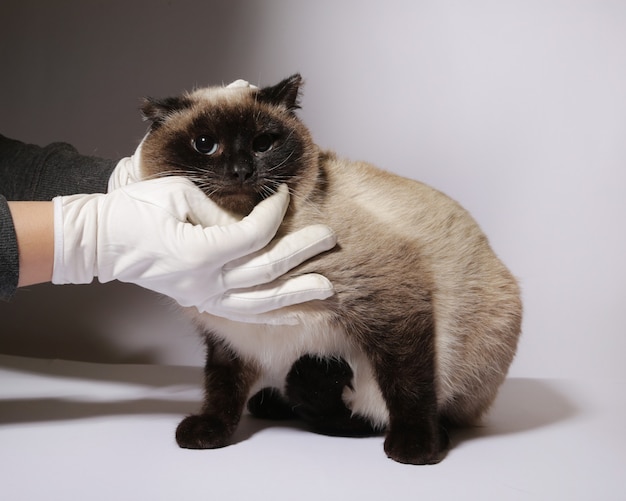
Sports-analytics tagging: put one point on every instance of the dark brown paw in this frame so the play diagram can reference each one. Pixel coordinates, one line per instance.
(416, 446)
(270, 404)
(202, 432)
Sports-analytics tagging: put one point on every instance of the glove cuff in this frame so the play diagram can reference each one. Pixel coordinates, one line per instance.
(75, 239)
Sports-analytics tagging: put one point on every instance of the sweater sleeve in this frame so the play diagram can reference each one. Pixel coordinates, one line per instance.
(9, 259)
(29, 172)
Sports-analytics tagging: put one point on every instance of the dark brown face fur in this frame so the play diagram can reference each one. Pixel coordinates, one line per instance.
(238, 147)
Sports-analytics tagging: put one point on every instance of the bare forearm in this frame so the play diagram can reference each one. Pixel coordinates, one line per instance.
(34, 230)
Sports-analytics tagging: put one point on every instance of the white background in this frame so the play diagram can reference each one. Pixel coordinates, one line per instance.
(517, 109)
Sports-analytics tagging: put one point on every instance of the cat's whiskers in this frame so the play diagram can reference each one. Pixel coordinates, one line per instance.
(278, 166)
(294, 194)
(168, 173)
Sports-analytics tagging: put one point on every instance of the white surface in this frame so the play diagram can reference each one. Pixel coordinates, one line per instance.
(73, 430)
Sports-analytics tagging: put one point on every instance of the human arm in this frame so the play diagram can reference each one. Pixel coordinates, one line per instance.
(149, 233)
(255, 274)
(34, 173)
(34, 234)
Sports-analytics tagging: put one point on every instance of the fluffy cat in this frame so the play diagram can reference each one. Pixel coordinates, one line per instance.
(425, 319)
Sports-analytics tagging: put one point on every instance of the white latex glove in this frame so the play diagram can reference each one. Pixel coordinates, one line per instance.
(167, 236)
(241, 84)
(126, 171)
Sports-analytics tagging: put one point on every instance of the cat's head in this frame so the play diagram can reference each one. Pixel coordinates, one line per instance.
(238, 144)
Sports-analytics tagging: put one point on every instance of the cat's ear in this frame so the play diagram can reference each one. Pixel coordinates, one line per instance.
(158, 110)
(285, 93)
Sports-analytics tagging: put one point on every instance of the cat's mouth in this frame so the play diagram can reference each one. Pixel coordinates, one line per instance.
(240, 199)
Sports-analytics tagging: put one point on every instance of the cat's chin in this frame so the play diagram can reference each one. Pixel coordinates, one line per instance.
(237, 202)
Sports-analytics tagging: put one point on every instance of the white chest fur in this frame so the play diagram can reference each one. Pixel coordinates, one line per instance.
(274, 348)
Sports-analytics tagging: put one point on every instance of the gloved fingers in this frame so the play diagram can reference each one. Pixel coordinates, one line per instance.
(179, 198)
(169, 193)
(280, 317)
(275, 260)
(121, 175)
(275, 295)
(254, 231)
(205, 212)
(127, 171)
(225, 236)
(241, 84)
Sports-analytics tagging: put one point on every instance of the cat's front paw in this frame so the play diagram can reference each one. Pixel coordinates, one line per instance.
(415, 446)
(203, 431)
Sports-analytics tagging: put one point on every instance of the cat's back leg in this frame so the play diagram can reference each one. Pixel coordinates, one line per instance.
(475, 351)
(402, 355)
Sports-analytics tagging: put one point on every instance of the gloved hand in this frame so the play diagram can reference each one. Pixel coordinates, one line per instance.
(126, 171)
(167, 236)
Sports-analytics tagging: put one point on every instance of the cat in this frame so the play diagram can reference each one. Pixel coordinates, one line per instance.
(425, 319)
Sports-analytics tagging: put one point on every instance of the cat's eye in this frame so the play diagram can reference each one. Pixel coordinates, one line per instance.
(205, 145)
(263, 143)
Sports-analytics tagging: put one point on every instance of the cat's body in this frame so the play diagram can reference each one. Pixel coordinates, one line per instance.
(424, 314)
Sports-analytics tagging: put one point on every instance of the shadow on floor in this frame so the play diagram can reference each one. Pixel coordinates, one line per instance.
(523, 404)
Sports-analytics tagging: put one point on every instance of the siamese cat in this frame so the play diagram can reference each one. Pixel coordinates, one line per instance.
(425, 319)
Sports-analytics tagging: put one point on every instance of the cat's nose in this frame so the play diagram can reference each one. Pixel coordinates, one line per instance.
(242, 172)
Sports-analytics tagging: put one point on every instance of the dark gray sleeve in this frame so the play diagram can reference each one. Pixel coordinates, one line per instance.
(29, 172)
(9, 259)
